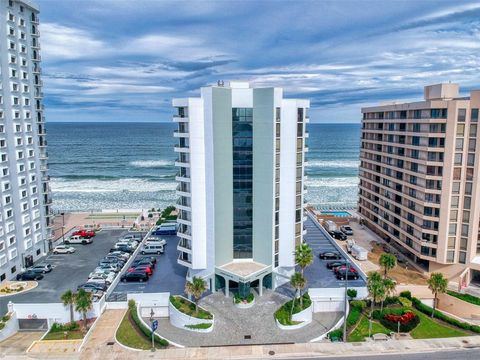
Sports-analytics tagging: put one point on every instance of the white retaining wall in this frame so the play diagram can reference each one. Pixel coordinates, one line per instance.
(158, 302)
(11, 327)
(304, 315)
(179, 319)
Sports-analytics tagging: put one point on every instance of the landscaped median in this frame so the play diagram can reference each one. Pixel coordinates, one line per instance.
(287, 318)
(133, 334)
(244, 302)
(184, 314)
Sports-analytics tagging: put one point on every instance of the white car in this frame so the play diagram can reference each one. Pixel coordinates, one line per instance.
(120, 254)
(100, 279)
(62, 249)
(102, 274)
(78, 240)
(156, 241)
(131, 243)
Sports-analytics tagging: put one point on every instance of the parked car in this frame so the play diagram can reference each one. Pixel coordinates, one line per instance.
(103, 273)
(359, 252)
(344, 268)
(115, 260)
(156, 241)
(332, 265)
(139, 276)
(120, 254)
(135, 236)
(78, 240)
(106, 268)
(99, 280)
(62, 249)
(92, 285)
(330, 255)
(144, 261)
(350, 243)
(109, 267)
(84, 233)
(131, 243)
(96, 294)
(41, 268)
(330, 226)
(166, 229)
(123, 248)
(347, 230)
(152, 249)
(146, 268)
(29, 275)
(351, 275)
(338, 235)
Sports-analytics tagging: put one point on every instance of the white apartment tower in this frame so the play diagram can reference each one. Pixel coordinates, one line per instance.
(240, 185)
(24, 190)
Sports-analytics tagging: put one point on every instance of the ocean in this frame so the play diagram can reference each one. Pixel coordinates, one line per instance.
(130, 165)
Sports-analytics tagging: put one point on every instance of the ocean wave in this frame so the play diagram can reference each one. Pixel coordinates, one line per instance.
(150, 163)
(61, 185)
(332, 182)
(333, 163)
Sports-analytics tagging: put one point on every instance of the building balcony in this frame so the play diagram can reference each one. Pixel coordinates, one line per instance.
(307, 119)
(177, 118)
(180, 134)
(184, 204)
(185, 246)
(184, 259)
(184, 235)
(179, 163)
(181, 149)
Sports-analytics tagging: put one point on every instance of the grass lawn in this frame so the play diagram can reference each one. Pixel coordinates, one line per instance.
(59, 335)
(130, 336)
(361, 331)
(431, 328)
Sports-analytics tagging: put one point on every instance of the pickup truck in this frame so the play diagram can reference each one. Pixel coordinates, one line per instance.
(78, 240)
(84, 233)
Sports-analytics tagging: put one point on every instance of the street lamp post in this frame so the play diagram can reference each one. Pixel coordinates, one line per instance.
(63, 226)
(346, 303)
(152, 320)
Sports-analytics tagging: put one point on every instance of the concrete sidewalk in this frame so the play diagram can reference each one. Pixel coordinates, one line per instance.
(315, 350)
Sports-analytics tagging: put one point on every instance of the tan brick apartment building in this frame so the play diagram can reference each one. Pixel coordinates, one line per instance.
(419, 179)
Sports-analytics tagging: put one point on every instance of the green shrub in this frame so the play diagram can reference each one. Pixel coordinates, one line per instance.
(360, 304)
(405, 302)
(56, 327)
(187, 307)
(237, 298)
(145, 330)
(441, 316)
(390, 300)
(159, 222)
(353, 316)
(335, 335)
(199, 326)
(5, 318)
(352, 293)
(406, 294)
(465, 297)
(406, 327)
(2, 325)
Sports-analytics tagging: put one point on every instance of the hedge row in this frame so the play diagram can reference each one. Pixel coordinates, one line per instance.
(145, 330)
(439, 315)
(465, 297)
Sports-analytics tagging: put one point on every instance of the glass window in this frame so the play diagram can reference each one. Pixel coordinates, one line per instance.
(472, 143)
(454, 201)
(457, 173)
(458, 159)
(452, 229)
(473, 130)
(471, 159)
(459, 144)
(455, 187)
(450, 256)
(466, 216)
(474, 115)
(453, 215)
(460, 129)
(462, 114)
(467, 202)
(468, 188)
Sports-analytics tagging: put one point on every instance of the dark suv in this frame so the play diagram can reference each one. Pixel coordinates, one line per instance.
(351, 275)
(139, 276)
(338, 235)
(29, 275)
(330, 255)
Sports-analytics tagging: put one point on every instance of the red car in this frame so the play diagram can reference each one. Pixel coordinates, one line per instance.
(145, 268)
(84, 233)
(344, 268)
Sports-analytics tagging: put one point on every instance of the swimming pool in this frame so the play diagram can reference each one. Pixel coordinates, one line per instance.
(336, 213)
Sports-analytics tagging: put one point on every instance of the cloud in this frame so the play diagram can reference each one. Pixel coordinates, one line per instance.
(360, 53)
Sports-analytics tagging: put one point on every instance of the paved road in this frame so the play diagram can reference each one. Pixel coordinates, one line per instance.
(471, 354)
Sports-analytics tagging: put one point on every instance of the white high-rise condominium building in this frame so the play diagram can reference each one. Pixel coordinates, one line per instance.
(24, 190)
(419, 179)
(240, 185)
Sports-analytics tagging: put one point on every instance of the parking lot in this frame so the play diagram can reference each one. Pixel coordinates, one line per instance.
(69, 270)
(167, 276)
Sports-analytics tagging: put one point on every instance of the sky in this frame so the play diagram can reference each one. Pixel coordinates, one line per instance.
(116, 60)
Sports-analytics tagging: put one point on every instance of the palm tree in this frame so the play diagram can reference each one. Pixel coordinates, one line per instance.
(303, 256)
(388, 262)
(438, 285)
(83, 304)
(389, 286)
(375, 287)
(68, 299)
(196, 288)
(298, 282)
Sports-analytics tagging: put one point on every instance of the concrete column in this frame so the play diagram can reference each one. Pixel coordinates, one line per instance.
(227, 289)
(260, 286)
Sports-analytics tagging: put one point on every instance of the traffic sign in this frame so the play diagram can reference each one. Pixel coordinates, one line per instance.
(154, 325)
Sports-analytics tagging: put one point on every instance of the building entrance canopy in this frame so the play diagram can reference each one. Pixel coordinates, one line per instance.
(243, 273)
